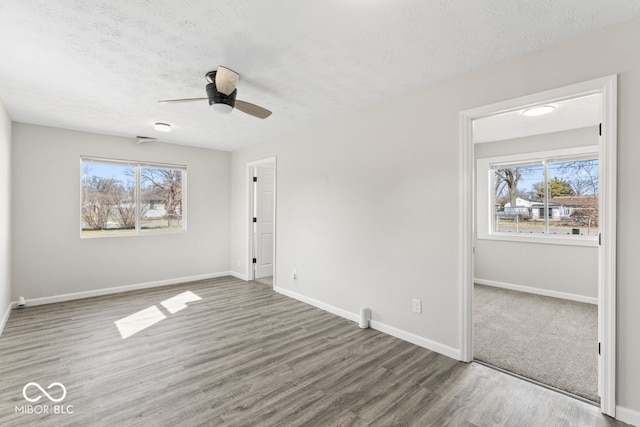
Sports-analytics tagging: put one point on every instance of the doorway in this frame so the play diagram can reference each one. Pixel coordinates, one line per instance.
(474, 217)
(262, 220)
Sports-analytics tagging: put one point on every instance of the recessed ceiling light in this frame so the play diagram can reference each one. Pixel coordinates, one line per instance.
(163, 127)
(538, 111)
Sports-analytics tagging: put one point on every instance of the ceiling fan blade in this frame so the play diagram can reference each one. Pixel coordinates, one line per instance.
(226, 80)
(252, 109)
(175, 101)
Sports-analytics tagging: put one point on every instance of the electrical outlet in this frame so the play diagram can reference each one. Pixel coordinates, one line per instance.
(417, 306)
(294, 275)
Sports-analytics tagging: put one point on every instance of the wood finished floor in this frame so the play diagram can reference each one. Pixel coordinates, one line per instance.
(247, 356)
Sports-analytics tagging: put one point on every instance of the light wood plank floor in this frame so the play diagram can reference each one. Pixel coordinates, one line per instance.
(266, 280)
(246, 356)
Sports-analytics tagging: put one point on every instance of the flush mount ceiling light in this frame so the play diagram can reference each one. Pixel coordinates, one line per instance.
(162, 127)
(538, 111)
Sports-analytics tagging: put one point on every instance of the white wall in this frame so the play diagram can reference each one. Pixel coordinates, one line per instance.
(561, 269)
(557, 268)
(5, 215)
(50, 258)
(368, 203)
(530, 144)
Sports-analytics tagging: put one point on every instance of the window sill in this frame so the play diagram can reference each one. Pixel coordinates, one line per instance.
(542, 239)
(141, 233)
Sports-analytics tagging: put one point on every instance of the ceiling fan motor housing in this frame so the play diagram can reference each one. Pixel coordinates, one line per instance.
(216, 97)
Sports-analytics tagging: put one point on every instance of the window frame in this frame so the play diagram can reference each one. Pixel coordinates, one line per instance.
(137, 165)
(485, 196)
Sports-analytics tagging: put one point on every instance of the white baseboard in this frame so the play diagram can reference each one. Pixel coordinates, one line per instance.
(5, 317)
(451, 352)
(118, 289)
(537, 291)
(238, 275)
(628, 416)
(379, 326)
(321, 305)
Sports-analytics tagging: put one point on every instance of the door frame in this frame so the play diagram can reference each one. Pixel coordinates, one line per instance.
(607, 149)
(249, 218)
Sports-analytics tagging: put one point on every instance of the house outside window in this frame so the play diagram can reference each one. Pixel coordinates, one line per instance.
(540, 195)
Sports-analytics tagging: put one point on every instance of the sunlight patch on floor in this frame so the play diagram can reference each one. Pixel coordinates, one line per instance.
(139, 321)
(179, 302)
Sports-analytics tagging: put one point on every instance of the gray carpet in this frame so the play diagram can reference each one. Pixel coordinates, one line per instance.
(550, 340)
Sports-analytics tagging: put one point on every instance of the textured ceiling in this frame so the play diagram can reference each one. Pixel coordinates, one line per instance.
(100, 66)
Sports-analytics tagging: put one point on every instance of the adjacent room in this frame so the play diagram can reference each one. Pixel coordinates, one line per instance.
(536, 252)
(319, 213)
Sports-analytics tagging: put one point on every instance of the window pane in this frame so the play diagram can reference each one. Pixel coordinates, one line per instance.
(161, 198)
(573, 197)
(108, 198)
(519, 199)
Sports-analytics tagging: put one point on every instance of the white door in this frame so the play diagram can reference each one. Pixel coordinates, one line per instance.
(263, 222)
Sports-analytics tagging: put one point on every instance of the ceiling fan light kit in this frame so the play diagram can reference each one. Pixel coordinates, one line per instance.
(221, 94)
(221, 108)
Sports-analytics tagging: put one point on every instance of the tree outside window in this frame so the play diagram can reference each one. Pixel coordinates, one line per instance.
(547, 196)
(120, 198)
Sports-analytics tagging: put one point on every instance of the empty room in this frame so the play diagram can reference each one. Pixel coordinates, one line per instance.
(319, 213)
